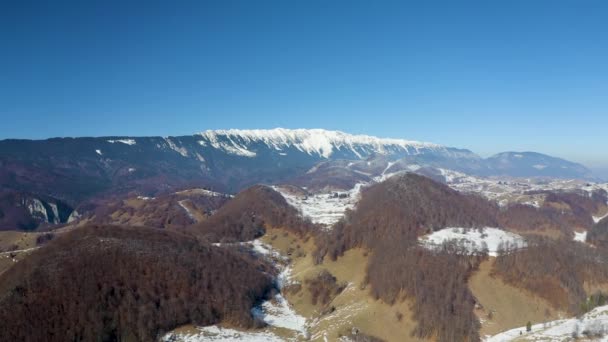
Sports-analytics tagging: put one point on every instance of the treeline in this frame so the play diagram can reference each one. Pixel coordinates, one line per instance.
(522, 217)
(388, 221)
(402, 208)
(434, 281)
(555, 270)
(598, 235)
(245, 217)
(107, 283)
(560, 211)
(391, 216)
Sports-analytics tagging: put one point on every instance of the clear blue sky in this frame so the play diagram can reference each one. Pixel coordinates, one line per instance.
(486, 75)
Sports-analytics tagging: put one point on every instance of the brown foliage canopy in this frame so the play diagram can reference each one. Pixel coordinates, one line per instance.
(598, 235)
(554, 269)
(561, 211)
(108, 283)
(436, 281)
(245, 216)
(388, 220)
(403, 208)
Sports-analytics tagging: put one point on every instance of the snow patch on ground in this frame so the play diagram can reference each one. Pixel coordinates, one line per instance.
(123, 141)
(218, 334)
(582, 237)
(277, 312)
(594, 323)
(474, 239)
(535, 204)
(323, 208)
(597, 219)
(188, 212)
(204, 192)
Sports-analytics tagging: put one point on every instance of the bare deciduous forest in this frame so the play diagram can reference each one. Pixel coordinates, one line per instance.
(598, 235)
(244, 217)
(403, 208)
(108, 283)
(556, 270)
(388, 220)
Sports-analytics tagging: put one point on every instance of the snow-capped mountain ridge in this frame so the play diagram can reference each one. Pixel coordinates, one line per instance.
(320, 142)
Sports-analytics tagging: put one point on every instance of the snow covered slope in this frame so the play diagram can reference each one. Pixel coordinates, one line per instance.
(319, 142)
(592, 326)
(219, 334)
(324, 208)
(475, 240)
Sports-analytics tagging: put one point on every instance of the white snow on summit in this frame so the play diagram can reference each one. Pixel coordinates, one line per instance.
(318, 142)
(230, 147)
(123, 141)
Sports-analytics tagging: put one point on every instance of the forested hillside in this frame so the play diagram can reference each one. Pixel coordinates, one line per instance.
(109, 283)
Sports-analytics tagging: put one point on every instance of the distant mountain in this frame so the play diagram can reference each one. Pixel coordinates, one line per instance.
(532, 164)
(72, 170)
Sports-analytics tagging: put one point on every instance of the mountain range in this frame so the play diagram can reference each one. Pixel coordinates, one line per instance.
(42, 175)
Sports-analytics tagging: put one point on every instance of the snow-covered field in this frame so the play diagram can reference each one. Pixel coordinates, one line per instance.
(593, 325)
(475, 240)
(513, 190)
(581, 237)
(219, 334)
(278, 313)
(323, 208)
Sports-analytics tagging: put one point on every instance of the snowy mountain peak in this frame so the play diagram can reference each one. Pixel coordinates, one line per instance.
(311, 141)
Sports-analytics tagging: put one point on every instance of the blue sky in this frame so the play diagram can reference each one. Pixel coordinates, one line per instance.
(490, 76)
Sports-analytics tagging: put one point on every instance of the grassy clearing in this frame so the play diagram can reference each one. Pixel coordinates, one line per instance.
(14, 240)
(22, 240)
(353, 308)
(510, 307)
